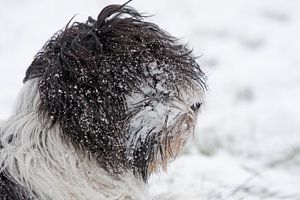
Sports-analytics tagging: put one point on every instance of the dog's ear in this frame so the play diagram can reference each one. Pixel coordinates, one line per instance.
(37, 67)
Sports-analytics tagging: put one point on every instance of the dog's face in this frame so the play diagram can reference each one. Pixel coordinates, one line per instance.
(121, 89)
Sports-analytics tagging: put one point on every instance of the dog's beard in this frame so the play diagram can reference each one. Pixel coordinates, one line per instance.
(167, 133)
(160, 125)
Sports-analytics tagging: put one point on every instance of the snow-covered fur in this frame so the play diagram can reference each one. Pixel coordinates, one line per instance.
(35, 157)
(104, 105)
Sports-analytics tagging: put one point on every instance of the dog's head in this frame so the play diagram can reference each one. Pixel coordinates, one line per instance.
(121, 89)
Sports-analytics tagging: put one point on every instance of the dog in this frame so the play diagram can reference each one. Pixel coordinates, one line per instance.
(105, 104)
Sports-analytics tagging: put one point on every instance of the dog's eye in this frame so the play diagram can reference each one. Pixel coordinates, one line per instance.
(196, 106)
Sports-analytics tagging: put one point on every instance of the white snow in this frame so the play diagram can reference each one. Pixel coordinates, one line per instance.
(247, 141)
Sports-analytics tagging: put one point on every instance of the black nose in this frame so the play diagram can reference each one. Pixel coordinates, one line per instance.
(196, 106)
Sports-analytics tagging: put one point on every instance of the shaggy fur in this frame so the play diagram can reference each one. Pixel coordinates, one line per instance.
(105, 103)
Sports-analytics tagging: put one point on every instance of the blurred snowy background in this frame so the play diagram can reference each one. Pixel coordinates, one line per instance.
(247, 140)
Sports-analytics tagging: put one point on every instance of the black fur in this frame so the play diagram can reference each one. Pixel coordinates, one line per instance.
(12, 191)
(87, 69)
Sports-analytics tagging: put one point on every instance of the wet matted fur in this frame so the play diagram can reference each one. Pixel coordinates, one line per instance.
(105, 103)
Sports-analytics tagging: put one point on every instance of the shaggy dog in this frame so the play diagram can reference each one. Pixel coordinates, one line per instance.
(105, 104)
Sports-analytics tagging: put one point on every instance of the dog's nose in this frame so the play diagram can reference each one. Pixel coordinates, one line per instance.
(196, 106)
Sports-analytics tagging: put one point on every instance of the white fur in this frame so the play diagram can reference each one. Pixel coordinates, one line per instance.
(36, 157)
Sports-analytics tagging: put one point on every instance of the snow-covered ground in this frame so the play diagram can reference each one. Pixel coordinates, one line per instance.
(247, 141)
